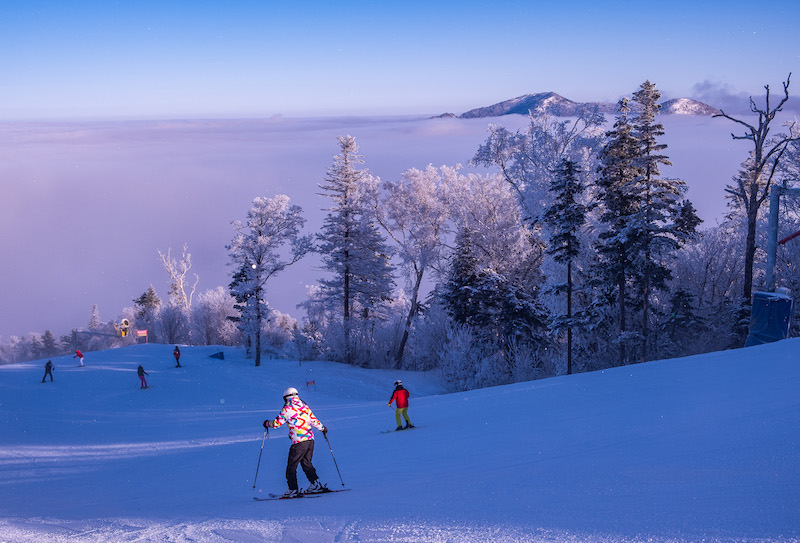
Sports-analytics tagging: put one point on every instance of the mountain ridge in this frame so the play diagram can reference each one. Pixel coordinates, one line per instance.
(554, 104)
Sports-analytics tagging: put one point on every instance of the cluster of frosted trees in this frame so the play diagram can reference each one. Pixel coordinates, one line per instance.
(561, 248)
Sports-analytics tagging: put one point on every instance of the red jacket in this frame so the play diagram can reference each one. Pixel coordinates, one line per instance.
(401, 396)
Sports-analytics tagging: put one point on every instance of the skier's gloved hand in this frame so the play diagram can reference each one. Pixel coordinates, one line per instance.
(266, 424)
(325, 431)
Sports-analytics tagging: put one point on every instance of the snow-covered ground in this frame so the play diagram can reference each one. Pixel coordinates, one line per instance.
(696, 449)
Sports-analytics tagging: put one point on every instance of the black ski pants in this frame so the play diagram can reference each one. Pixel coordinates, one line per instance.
(300, 453)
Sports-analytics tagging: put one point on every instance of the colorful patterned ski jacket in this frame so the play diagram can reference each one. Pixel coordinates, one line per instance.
(299, 417)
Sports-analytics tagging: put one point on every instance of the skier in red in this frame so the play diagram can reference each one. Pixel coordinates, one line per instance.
(400, 396)
(177, 354)
(79, 356)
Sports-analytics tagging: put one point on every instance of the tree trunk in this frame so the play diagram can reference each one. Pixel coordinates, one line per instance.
(569, 317)
(750, 244)
(622, 329)
(258, 327)
(411, 313)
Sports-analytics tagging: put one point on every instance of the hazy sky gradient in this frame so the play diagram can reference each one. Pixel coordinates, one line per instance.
(87, 200)
(90, 59)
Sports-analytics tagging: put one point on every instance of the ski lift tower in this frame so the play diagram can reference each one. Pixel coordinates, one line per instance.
(771, 314)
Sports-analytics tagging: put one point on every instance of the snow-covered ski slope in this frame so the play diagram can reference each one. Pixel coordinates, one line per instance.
(705, 448)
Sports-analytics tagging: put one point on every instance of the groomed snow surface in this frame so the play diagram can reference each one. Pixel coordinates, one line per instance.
(705, 448)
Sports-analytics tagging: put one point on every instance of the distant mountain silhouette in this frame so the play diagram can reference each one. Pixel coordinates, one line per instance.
(555, 104)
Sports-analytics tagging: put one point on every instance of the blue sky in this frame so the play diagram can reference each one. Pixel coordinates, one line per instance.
(152, 59)
(86, 203)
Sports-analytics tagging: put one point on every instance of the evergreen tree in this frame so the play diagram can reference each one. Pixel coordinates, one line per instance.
(49, 347)
(566, 216)
(148, 307)
(459, 292)
(94, 320)
(664, 221)
(647, 220)
(682, 328)
(618, 173)
(499, 309)
(353, 249)
(35, 348)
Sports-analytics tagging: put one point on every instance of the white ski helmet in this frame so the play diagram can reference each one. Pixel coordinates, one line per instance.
(398, 382)
(291, 391)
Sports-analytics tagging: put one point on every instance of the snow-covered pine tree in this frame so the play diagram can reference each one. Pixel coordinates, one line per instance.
(49, 347)
(682, 330)
(459, 292)
(353, 250)
(257, 255)
(618, 173)
(566, 216)
(148, 307)
(493, 304)
(94, 319)
(665, 220)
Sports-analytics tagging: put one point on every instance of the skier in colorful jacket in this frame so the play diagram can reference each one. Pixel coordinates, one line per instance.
(400, 396)
(301, 421)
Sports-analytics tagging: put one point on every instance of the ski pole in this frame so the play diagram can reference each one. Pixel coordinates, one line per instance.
(259, 458)
(334, 459)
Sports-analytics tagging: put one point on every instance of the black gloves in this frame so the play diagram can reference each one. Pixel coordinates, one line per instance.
(266, 424)
(325, 431)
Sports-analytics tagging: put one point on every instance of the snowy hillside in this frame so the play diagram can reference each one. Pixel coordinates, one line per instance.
(703, 448)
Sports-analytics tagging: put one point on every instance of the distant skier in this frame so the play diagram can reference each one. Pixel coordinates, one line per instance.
(48, 370)
(142, 373)
(79, 356)
(400, 396)
(300, 419)
(177, 354)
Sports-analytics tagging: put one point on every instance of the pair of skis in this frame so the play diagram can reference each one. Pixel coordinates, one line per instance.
(298, 496)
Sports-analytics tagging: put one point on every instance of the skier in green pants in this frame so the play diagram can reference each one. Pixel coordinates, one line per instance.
(400, 396)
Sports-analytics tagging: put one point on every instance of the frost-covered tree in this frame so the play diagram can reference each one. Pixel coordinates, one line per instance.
(211, 323)
(173, 324)
(354, 252)
(751, 186)
(566, 216)
(257, 254)
(496, 262)
(528, 159)
(94, 319)
(416, 214)
(180, 291)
